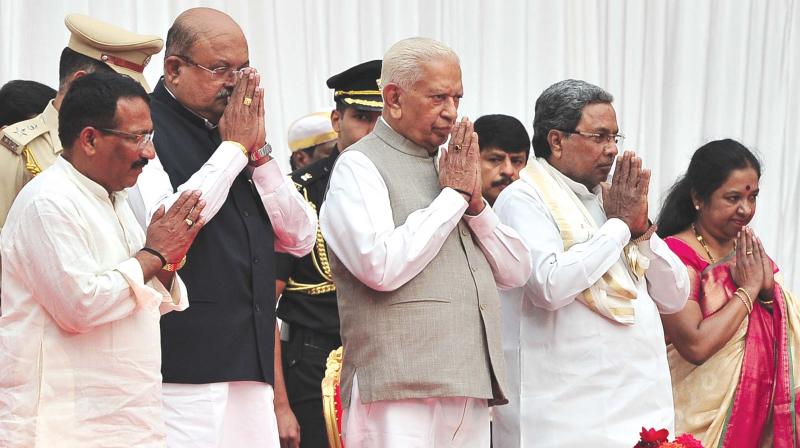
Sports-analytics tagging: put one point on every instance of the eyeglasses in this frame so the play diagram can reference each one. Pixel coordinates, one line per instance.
(140, 139)
(598, 138)
(226, 73)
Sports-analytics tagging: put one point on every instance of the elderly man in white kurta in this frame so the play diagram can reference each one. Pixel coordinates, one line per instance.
(583, 338)
(83, 284)
(417, 257)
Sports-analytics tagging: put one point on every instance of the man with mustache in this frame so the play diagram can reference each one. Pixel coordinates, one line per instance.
(84, 285)
(583, 336)
(223, 385)
(417, 257)
(504, 147)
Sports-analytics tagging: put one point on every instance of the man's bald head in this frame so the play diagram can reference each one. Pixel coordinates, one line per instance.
(196, 23)
(205, 51)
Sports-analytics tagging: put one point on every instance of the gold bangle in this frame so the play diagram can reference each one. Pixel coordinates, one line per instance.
(747, 305)
(172, 267)
(747, 294)
(241, 147)
(766, 302)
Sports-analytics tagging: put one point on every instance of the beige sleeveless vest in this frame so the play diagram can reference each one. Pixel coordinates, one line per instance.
(439, 334)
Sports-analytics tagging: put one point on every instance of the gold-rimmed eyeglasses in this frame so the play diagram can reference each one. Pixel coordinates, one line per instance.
(599, 138)
(224, 72)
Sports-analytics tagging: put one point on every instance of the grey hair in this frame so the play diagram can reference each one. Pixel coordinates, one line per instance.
(560, 106)
(403, 60)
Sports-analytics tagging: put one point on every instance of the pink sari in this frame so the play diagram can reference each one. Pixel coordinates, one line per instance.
(763, 404)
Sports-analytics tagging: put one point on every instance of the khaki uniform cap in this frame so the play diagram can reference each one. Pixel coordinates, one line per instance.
(124, 51)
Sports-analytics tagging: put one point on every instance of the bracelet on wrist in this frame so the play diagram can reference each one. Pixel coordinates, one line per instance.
(172, 267)
(646, 235)
(152, 251)
(744, 296)
(744, 301)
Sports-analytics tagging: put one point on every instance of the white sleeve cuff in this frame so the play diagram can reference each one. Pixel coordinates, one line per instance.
(268, 177)
(146, 296)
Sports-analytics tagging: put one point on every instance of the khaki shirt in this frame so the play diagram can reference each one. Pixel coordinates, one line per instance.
(26, 148)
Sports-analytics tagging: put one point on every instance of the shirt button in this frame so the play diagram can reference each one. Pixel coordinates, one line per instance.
(255, 260)
(464, 233)
(258, 308)
(246, 213)
(483, 307)
(474, 269)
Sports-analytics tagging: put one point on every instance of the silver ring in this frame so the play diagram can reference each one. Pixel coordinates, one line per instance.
(188, 222)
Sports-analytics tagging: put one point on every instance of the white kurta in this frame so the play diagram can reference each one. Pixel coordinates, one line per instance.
(294, 222)
(575, 377)
(80, 351)
(356, 221)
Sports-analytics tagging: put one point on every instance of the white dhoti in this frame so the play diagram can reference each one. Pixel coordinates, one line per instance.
(411, 423)
(220, 415)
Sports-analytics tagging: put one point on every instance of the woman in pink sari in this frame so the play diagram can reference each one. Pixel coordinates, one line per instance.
(731, 348)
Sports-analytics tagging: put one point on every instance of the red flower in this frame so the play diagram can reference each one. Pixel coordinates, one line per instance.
(688, 441)
(651, 435)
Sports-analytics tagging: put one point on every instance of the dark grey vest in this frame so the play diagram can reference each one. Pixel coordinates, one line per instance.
(439, 334)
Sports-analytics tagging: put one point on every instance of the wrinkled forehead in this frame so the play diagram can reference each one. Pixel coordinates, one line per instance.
(223, 45)
(441, 73)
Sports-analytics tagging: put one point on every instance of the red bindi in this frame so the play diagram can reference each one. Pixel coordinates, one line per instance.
(747, 188)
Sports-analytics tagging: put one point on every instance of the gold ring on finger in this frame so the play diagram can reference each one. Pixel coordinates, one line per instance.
(749, 252)
(457, 147)
(188, 222)
(247, 101)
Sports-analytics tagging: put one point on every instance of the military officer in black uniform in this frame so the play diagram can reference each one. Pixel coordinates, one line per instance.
(308, 305)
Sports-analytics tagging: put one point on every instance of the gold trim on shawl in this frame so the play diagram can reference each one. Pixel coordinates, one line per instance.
(612, 295)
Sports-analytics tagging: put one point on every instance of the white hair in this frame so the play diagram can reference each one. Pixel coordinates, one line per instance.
(403, 61)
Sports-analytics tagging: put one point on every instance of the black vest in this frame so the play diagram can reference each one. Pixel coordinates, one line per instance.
(228, 331)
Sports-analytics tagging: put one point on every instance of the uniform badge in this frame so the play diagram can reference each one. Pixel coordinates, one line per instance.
(9, 144)
(306, 177)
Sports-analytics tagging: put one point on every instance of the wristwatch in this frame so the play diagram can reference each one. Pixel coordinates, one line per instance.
(260, 153)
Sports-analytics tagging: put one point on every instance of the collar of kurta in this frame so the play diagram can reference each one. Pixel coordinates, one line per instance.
(394, 139)
(89, 185)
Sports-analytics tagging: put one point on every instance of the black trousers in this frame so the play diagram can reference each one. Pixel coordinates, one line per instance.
(303, 357)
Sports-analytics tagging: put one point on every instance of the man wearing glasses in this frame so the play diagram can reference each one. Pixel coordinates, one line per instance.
(222, 358)
(583, 338)
(84, 285)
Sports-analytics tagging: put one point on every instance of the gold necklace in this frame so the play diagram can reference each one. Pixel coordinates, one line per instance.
(703, 243)
(705, 246)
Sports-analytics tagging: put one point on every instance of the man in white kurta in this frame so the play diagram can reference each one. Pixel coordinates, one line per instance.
(577, 376)
(79, 334)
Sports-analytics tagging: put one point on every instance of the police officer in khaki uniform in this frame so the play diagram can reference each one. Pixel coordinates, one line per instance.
(32, 145)
(308, 306)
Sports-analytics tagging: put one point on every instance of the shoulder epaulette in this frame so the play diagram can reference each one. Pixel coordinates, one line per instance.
(311, 173)
(16, 136)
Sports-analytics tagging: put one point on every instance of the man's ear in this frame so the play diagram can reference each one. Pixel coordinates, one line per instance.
(86, 141)
(336, 118)
(172, 69)
(392, 97)
(555, 139)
